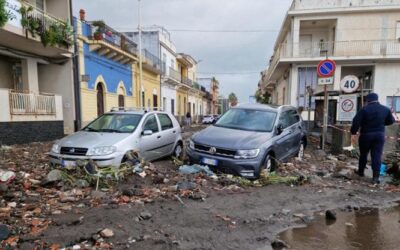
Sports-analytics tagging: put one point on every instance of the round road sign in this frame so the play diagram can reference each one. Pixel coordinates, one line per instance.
(326, 68)
(349, 84)
(347, 105)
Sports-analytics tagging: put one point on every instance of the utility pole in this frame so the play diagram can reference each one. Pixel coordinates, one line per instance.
(142, 102)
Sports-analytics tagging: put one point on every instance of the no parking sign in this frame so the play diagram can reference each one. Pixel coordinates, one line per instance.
(347, 107)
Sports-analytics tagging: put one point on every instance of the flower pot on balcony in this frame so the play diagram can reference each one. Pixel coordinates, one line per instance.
(98, 36)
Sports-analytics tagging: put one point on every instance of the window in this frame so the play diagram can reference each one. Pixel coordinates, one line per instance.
(247, 119)
(155, 102)
(393, 102)
(151, 124)
(284, 119)
(173, 106)
(114, 123)
(165, 121)
(293, 117)
(121, 101)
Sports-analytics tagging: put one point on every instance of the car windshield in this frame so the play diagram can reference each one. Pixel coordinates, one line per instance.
(248, 119)
(114, 123)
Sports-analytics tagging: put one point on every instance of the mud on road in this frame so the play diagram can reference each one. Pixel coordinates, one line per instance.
(167, 210)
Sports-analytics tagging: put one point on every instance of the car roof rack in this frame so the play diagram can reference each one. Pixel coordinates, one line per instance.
(137, 109)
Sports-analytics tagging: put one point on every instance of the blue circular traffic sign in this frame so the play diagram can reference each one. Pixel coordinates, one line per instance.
(326, 68)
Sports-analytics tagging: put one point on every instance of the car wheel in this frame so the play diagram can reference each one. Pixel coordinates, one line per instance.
(178, 150)
(269, 164)
(300, 153)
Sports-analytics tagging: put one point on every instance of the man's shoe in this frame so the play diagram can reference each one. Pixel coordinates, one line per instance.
(376, 181)
(359, 173)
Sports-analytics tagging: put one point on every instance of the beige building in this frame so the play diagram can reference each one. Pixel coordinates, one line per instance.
(36, 71)
(361, 36)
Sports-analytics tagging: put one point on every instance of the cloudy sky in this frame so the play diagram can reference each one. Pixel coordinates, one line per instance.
(203, 29)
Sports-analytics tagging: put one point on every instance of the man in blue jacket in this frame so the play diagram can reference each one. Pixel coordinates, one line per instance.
(371, 121)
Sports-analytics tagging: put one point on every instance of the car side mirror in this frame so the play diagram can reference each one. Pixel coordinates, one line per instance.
(147, 132)
(279, 129)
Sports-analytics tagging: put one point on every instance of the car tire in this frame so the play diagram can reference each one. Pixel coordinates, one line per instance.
(300, 152)
(269, 164)
(178, 151)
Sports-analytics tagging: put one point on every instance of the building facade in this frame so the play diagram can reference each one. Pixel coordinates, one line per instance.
(212, 87)
(109, 71)
(180, 93)
(362, 37)
(36, 72)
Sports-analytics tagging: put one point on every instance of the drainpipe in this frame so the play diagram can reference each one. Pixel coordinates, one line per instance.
(75, 68)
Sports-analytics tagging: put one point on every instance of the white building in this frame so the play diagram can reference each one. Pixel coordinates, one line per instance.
(36, 74)
(362, 36)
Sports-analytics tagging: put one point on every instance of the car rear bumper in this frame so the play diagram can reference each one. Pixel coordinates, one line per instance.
(102, 161)
(248, 168)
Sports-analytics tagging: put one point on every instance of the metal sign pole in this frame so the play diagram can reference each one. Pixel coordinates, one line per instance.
(325, 123)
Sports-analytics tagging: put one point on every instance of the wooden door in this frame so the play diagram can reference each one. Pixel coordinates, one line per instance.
(100, 100)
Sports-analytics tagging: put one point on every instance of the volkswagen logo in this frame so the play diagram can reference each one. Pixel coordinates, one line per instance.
(212, 150)
(72, 150)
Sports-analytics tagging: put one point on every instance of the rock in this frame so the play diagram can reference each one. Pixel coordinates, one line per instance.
(54, 175)
(98, 194)
(82, 183)
(330, 215)
(348, 224)
(133, 192)
(332, 158)
(286, 211)
(173, 188)
(320, 154)
(345, 173)
(4, 232)
(279, 244)
(107, 233)
(145, 215)
(342, 157)
(186, 185)
(3, 187)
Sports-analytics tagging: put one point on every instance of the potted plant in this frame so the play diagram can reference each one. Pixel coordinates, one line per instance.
(100, 28)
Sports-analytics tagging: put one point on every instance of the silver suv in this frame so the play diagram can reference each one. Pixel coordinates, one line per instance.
(249, 138)
(107, 139)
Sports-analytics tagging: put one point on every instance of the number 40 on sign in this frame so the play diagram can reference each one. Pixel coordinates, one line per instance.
(349, 84)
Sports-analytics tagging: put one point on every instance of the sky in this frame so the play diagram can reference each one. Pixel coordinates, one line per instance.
(203, 29)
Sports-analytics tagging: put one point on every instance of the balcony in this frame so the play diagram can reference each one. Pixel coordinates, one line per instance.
(109, 43)
(151, 62)
(20, 106)
(171, 76)
(337, 50)
(47, 35)
(186, 81)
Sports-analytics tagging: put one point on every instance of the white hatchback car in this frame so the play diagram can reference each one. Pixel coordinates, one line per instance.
(107, 139)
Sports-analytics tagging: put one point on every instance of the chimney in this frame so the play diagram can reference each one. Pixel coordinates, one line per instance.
(82, 15)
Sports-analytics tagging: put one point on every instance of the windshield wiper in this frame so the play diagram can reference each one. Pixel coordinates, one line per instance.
(110, 130)
(91, 129)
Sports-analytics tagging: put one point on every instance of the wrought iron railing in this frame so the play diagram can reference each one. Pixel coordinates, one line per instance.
(152, 59)
(32, 104)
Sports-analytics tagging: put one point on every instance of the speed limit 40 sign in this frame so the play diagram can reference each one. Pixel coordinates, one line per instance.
(349, 84)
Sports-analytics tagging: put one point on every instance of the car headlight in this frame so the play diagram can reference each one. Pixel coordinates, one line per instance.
(55, 148)
(247, 154)
(191, 144)
(107, 150)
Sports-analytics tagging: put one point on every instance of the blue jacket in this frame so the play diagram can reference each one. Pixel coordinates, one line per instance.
(372, 118)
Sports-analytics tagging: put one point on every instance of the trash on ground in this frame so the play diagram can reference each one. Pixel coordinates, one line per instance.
(195, 169)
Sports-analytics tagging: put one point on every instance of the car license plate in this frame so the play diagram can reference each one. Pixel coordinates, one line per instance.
(210, 162)
(68, 164)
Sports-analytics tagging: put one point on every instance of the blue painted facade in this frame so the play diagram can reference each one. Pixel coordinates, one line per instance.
(112, 72)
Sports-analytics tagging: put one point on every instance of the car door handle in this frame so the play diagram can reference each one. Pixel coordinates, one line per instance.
(174, 131)
(158, 137)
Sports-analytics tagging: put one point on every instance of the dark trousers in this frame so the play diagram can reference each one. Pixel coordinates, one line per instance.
(371, 142)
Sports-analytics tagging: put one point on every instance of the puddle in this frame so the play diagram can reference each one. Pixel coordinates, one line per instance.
(368, 228)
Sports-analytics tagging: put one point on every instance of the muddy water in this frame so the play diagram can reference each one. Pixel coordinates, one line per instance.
(364, 229)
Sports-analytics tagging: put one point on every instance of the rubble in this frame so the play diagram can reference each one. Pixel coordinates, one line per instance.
(107, 233)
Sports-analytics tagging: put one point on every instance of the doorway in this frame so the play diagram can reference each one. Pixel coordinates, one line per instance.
(100, 99)
(121, 101)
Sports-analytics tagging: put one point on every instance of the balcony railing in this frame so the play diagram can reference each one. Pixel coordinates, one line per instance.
(362, 48)
(152, 59)
(324, 4)
(187, 81)
(115, 38)
(32, 104)
(175, 75)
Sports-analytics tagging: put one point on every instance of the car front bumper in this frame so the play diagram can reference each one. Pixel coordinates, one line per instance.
(248, 168)
(71, 160)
